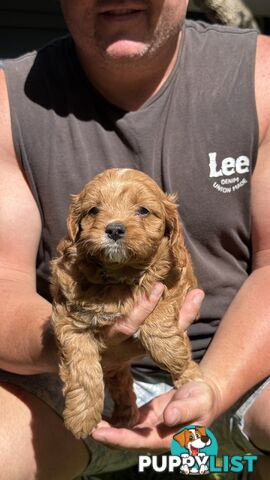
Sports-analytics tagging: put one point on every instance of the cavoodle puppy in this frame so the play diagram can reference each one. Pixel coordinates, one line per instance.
(123, 236)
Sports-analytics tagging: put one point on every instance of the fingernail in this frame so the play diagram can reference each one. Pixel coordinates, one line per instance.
(198, 298)
(157, 290)
(173, 415)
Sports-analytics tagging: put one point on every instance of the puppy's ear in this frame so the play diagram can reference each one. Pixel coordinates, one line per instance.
(74, 218)
(67, 245)
(174, 230)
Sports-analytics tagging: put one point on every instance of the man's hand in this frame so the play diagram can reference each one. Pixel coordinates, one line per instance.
(161, 418)
(123, 347)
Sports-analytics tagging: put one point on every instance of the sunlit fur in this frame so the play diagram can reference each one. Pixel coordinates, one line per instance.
(96, 279)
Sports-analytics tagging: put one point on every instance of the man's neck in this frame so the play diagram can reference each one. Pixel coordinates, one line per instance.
(130, 85)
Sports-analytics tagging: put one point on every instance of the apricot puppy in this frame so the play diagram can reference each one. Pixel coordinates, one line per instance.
(123, 236)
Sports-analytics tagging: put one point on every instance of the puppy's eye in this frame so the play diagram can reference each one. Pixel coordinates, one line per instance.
(93, 211)
(142, 211)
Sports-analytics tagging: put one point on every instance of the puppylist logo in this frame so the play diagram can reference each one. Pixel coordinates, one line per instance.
(194, 451)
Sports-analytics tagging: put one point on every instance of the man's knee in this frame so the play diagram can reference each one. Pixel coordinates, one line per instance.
(34, 442)
(17, 460)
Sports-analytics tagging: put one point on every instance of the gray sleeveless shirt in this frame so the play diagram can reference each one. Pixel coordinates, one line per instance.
(197, 137)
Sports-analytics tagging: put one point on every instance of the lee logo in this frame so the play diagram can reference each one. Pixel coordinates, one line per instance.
(229, 166)
(229, 172)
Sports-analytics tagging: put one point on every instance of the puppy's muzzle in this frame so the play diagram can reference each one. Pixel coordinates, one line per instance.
(115, 231)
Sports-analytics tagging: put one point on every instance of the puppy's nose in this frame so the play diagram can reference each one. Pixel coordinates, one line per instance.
(115, 230)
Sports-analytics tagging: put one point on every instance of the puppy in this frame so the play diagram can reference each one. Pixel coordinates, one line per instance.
(123, 236)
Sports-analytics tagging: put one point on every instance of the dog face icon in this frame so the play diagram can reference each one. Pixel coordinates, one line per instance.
(193, 439)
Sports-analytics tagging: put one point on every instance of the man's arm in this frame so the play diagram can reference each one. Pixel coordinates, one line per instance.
(239, 356)
(24, 314)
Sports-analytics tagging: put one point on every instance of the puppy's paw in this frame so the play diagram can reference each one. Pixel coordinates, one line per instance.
(81, 424)
(192, 372)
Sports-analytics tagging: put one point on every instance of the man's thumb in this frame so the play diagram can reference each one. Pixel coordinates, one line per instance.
(186, 407)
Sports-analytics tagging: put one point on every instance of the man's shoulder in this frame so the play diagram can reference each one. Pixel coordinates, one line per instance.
(37, 78)
(263, 55)
(227, 47)
(206, 29)
(262, 84)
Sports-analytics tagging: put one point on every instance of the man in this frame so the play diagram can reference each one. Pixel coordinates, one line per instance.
(136, 88)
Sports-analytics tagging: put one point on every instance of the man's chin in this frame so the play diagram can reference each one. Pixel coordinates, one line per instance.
(125, 50)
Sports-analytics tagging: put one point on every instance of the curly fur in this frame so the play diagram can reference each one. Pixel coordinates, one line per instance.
(96, 279)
